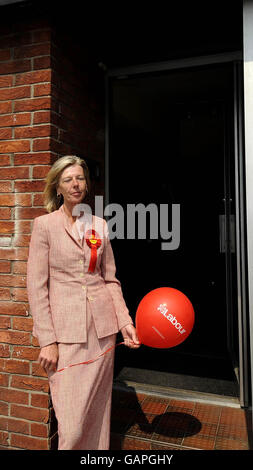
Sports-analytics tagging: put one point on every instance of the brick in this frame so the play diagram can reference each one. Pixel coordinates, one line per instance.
(21, 119)
(23, 200)
(30, 413)
(15, 93)
(6, 227)
(30, 383)
(41, 117)
(4, 350)
(28, 213)
(22, 324)
(41, 144)
(5, 213)
(6, 121)
(12, 280)
(15, 66)
(42, 90)
(33, 77)
(5, 241)
(5, 186)
(5, 134)
(40, 400)
(32, 158)
(4, 380)
(40, 171)
(40, 430)
(35, 341)
(38, 200)
(16, 425)
(21, 240)
(4, 408)
(30, 443)
(5, 160)
(34, 131)
(13, 366)
(25, 352)
(5, 107)
(14, 173)
(13, 308)
(5, 266)
(15, 337)
(5, 81)
(15, 120)
(29, 186)
(18, 267)
(14, 396)
(4, 438)
(23, 226)
(42, 62)
(5, 294)
(32, 51)
(7, 199)
(38, 370)
(15, 146)
(32, 104)
(5, 322)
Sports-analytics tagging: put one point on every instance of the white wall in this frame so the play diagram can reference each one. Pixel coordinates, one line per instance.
(248, 120)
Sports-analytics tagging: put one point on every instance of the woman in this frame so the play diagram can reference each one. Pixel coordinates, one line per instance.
(77, 307)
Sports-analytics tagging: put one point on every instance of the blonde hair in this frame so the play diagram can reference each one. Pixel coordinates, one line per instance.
(51, 201)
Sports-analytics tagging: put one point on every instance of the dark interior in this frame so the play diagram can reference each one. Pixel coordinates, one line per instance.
(169, 135)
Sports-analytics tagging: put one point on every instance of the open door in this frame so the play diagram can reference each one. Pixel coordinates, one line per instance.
(171, 140)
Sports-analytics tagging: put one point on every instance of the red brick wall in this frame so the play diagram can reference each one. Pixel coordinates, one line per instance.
(48, 107)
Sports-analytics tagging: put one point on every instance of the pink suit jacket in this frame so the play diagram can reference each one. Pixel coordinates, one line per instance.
(59, 284)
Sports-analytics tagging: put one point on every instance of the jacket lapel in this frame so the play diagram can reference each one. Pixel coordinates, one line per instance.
(67, 226)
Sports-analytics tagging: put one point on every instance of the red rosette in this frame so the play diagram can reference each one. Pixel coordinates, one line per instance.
(94, 242)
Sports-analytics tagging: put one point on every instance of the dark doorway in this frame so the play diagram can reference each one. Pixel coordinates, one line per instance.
(171, 142)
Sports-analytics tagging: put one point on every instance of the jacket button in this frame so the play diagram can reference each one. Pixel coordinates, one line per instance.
(83, 287)
(81, 274)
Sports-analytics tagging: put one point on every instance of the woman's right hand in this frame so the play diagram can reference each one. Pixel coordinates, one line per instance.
(48, 357)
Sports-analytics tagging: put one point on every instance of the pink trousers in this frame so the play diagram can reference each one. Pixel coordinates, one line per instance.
(81, 395)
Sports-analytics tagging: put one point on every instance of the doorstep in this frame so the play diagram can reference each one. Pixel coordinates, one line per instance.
(152, 418)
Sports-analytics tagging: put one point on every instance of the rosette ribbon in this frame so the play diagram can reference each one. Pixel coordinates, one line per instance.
(94, 242)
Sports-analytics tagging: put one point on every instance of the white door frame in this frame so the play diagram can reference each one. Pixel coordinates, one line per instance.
(248, 143)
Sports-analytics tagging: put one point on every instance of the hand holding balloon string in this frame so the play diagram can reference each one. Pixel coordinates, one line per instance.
(130, 336)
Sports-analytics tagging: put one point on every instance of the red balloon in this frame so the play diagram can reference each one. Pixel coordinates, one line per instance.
(164, 318)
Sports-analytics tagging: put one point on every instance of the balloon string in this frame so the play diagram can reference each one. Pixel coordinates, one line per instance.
(91, 360)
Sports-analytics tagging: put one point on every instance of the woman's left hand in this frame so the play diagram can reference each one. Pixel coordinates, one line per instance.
(130, 336)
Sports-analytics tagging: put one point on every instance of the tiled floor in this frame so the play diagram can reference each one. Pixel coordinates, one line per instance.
(141, 421)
